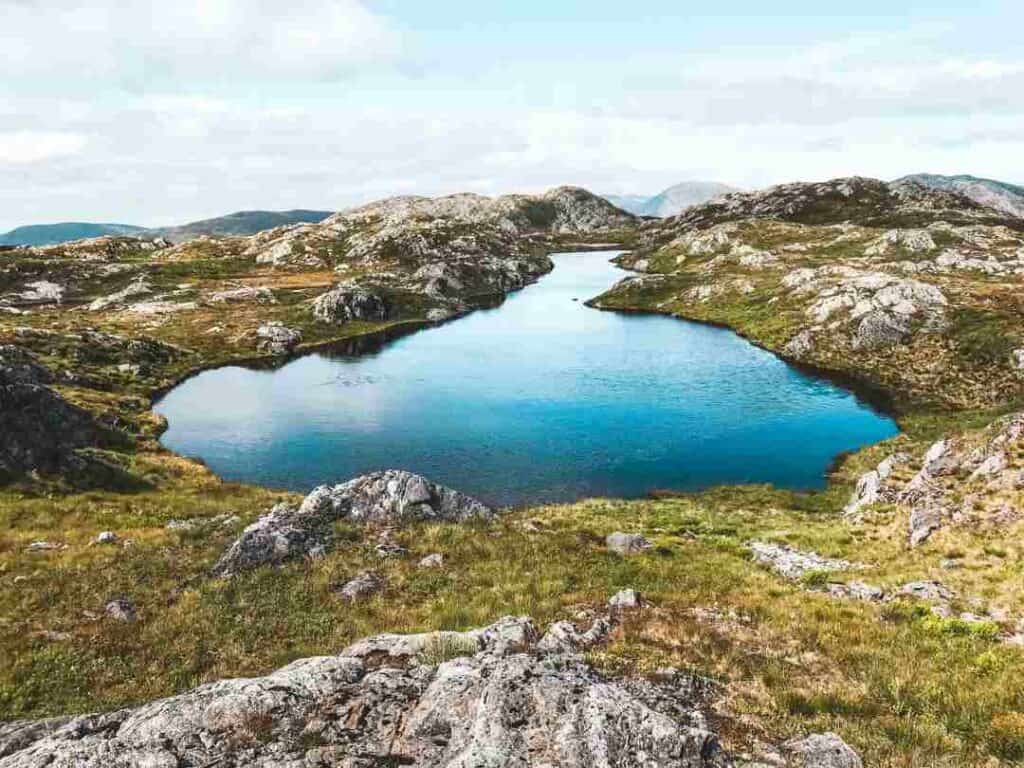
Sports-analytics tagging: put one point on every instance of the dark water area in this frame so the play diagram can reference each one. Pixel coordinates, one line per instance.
(540, 399)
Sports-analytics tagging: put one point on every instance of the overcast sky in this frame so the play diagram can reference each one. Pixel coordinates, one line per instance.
(163, 112)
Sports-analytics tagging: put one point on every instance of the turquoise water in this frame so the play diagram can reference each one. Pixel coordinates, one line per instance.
(539, 399)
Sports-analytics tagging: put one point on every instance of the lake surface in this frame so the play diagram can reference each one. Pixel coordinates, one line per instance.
(540, 399)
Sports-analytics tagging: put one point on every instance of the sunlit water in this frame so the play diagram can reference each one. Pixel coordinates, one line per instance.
(540, 399)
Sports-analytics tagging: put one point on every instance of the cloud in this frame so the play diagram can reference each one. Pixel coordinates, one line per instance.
(60, 44)
(25, 147)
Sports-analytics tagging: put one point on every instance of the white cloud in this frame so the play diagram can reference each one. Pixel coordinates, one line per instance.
(64, 43)
(25, 147)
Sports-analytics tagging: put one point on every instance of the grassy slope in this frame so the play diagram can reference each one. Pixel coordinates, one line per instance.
(906, 690)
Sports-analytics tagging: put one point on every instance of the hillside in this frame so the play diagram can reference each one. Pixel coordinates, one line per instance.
(739, 626)
(50, 234)
(240, 223)
(234, 224)
(1008, 198)
(672, 200)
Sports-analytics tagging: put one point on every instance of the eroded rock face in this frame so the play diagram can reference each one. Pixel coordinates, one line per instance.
(378, 703)
(382, 498)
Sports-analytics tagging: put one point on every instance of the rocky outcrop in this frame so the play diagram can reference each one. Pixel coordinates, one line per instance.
(492, 697)
(349, 302)
(39, 429)
(382, 498)
(257, 294)
(275, 338)
(969, 479)
(872, 486)
(792, 563)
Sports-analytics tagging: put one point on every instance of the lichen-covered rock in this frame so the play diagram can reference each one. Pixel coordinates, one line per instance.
(792, 563)
(256, 294)
(383, 498)
(349, 302)
(363, 586)
(626, 544)
(871, 485)
(821, 750)
(491, 706)
(275, 338)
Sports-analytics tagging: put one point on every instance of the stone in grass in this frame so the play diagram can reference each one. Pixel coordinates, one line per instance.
(626, 544)
(362, 587)
(821, 750)
(625, 600)
(121, 609)
(436, 560)
(106, 537)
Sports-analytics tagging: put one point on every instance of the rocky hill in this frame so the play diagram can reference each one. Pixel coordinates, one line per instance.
(1008, 198)
(240, 223)
(747, 626)
(905, 288)
(51, 234)
(673, 200)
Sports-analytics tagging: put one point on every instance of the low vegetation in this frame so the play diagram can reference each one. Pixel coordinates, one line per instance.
(908, 687)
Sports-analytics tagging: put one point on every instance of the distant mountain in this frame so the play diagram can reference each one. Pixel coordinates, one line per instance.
(1008, 198)
(52, 234)
(673, 200)
(240, 223)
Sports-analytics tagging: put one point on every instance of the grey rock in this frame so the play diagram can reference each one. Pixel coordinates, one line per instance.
(924, 520)
(801, 345)
(792, 563)
(929, 591)
(435, 560)
(626, 544)
(258, 294)
(275, 338)
(136, 288)
(491, 707)
(564, 637)
(625, 600)
(871, 485)
(107, 537)
(349, 302)
(855, 590)
(42, 292)
(879, 328)
(362, 587)
(390, 549)
(821, 750)
(121, 609)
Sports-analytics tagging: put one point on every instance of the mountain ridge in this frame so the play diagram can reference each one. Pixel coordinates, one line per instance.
(673, 200)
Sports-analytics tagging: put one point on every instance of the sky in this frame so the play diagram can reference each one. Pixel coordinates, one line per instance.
(165, 112)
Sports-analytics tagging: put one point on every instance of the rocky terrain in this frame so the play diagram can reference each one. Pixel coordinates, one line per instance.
(1008, 198)
(878, 622)
(907, 290)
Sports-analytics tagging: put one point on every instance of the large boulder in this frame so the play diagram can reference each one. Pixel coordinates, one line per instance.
(349, 302)
(384, 498)
(461, 699)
